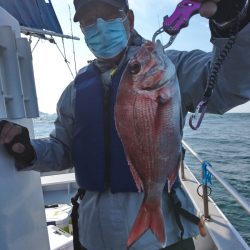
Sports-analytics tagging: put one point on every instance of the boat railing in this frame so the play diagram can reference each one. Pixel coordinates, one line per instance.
(238, 197)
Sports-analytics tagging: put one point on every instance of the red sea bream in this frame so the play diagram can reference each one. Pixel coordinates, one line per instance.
(148, 121)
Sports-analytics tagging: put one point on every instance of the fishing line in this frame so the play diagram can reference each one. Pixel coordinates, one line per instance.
(73, 44)
(30, 41)
(64, 56)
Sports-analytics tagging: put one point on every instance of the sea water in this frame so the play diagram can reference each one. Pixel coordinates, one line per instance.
(223, 141)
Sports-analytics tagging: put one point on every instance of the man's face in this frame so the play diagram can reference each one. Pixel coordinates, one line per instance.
(93, 11)
(106, 29)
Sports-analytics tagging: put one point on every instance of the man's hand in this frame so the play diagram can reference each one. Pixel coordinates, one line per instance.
(16, 140)
(208, 8)
(8, 131)
(225, 15)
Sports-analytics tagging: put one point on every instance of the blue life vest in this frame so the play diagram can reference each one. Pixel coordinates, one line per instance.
(90, 150)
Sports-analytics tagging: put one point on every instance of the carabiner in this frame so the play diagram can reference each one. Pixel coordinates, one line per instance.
(198, 115)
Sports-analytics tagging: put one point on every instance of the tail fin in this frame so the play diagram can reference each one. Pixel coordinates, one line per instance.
(147, 218)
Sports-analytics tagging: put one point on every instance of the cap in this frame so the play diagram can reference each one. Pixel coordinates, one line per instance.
(79, 5)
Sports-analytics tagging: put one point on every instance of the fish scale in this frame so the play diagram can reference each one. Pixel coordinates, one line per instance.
(147, 142)
(146, 125)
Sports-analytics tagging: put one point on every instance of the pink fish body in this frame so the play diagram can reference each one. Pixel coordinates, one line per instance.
(148, 121)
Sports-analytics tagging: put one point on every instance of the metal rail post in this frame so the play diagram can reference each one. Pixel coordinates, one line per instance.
(204, 189)
(205, 202)
(182, 163)
(182, 170)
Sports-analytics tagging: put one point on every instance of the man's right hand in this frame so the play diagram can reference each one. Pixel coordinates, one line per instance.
(16, 140)
(208, 8)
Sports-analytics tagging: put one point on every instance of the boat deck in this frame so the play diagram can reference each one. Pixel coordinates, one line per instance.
(220, 232)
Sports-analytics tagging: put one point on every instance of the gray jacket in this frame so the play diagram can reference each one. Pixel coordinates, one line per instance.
(106, 218)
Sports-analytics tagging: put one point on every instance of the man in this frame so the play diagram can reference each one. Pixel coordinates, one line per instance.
(110, 204)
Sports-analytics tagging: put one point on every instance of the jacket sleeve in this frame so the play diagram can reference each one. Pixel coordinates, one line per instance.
(233, 84)
(54, 153)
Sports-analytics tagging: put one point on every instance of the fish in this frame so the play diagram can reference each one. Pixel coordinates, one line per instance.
(148, 121)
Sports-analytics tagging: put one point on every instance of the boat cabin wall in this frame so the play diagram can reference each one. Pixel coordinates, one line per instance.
(23, 223)
(18, 97)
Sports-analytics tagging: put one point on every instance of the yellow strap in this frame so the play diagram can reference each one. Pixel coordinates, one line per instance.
(113, 70)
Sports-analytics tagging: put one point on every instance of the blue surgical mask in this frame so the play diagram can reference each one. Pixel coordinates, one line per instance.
(106, 39)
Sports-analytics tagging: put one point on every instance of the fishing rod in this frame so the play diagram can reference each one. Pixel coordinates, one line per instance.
(172, 26)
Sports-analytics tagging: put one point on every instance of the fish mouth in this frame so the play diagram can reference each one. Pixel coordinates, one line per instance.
(148, 59)
(150, 73)
(148, 67)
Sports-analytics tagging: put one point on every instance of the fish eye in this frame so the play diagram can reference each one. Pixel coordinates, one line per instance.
(134, 68)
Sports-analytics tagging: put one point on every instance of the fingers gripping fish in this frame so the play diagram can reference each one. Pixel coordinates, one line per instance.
(148, 121)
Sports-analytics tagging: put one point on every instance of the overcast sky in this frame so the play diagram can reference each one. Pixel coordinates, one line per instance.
(52, 74)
